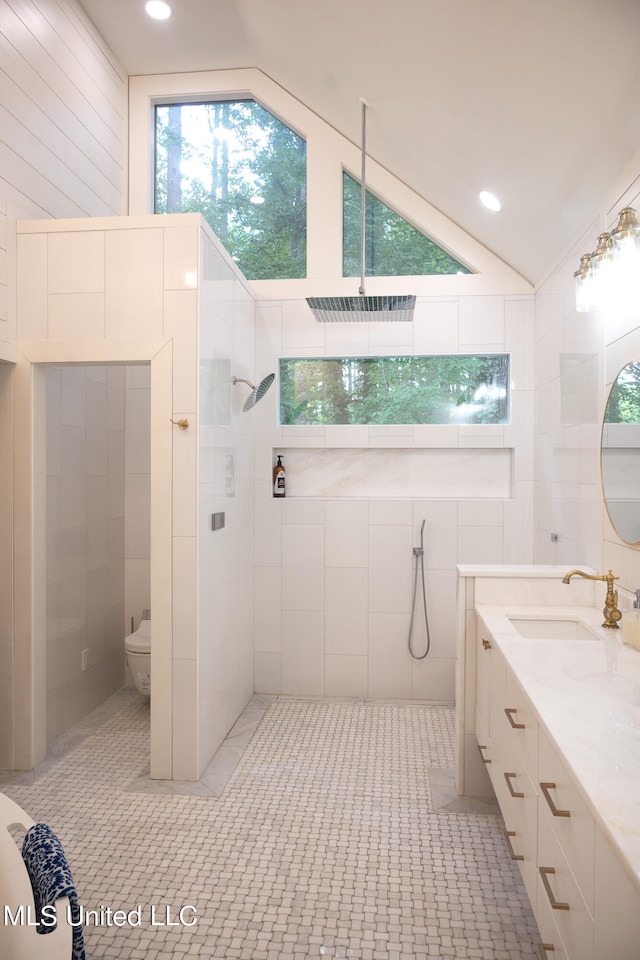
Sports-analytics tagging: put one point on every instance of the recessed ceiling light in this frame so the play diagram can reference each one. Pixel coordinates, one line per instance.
(490, 201)
(158, 9)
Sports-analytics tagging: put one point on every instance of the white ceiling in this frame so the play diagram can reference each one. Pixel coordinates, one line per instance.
(537, 102)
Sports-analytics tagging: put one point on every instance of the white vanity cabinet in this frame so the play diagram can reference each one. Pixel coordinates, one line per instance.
(585, 899)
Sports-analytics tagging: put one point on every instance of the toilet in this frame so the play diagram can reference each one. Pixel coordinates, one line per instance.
(138, 652)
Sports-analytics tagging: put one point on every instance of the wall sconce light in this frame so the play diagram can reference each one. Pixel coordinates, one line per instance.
(609, 278)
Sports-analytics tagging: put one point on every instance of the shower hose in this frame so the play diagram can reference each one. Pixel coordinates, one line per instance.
(418, 553)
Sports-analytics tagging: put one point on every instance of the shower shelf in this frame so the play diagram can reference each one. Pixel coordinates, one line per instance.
(440, 473)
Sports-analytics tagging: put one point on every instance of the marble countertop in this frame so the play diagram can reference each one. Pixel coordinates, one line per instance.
(586, 694)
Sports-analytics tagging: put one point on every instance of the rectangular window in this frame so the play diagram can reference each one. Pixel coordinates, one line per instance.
(456, 389)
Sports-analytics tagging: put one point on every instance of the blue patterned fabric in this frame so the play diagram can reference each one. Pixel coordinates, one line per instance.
(51, 879)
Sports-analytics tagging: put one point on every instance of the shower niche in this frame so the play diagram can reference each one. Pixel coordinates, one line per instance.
(399, 472)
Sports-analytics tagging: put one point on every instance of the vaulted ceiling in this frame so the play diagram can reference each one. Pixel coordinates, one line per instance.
(537, 102)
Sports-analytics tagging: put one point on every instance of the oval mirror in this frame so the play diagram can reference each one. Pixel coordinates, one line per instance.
(620, 454)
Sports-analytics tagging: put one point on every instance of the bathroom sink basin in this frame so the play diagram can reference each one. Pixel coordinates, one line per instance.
(533, 628)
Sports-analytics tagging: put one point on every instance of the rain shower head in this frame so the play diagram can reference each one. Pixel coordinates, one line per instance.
(257, 393)
(362, 308)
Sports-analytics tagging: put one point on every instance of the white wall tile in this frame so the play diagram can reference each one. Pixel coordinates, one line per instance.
(346, 610)
(433, 679)
(184, 601)
(32, 289)
(267, 609)
(435, 327)
(303, 652)
(440, 532)
(481, 322)
(180, 258)
(389, 667)
(137, 543)
(302, 566)
(300, 331)
(267, 672)
(302, 511)
(480, 545)
(75, 262)
(180, 323)
(390, 569)
(345, 676)
(268, 528)
(70, 313)
(185, 720)
(392, 513)
(134, 282)
(346, 533)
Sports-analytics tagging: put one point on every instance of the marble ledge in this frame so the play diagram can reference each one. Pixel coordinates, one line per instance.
(542, 570)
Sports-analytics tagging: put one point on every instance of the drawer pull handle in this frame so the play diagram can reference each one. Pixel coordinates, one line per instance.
(514, 793)
(545, 787)
(481, 748)
(486, 644)
(545, 872)
(514, 856)
(509, 711)
(545, 948)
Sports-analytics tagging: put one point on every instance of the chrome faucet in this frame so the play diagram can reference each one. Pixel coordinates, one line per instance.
(610, 609)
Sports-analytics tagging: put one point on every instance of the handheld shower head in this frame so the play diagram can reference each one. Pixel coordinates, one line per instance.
(257, 393)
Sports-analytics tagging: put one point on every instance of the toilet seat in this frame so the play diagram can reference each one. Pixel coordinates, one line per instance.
(138, 655)
(140, 641)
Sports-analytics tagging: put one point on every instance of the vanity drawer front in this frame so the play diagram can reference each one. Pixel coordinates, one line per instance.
(521, 724)
(516, 795)
(559, 888)
(576, 832)
(549, 933)
(522, 854)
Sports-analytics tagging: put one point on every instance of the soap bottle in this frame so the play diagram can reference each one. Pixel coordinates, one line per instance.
(279, 481)
(631, 624)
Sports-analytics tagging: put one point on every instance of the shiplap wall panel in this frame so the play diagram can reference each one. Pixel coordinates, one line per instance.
(27, 96)
(63, 123)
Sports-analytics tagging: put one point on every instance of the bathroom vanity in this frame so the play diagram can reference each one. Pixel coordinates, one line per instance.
(549, 721)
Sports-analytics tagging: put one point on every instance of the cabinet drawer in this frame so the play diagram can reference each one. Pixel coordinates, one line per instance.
(568, 815)
(558, 887)
(549, 933)
(521, 853)
(521, 724)
(516, 794)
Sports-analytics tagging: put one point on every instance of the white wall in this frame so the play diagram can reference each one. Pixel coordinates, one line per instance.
(578, 356)
(334, 576)
(225, 478)
(63, 115)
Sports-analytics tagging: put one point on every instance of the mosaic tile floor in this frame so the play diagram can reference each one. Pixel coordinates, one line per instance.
(337, 834)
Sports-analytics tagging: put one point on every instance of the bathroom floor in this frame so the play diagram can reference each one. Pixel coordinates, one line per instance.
(336, 833)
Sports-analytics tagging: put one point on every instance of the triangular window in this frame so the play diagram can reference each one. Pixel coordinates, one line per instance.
(393, 247)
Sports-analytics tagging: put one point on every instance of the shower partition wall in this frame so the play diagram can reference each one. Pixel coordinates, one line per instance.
(120, 291)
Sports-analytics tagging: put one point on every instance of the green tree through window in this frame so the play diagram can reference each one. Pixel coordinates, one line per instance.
(367, 390)
(393, 247)
(624, 400)
(245, 171)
